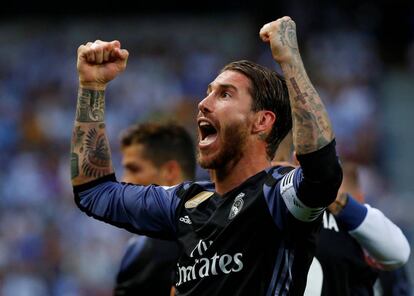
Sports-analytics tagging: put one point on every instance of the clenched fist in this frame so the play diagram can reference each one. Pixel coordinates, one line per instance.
(281, 34)
(100, 62)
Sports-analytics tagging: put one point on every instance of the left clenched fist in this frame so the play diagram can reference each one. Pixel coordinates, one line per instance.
(281, 34)
(100, 62)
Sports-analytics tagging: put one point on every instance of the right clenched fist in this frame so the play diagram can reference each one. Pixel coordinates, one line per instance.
(281, 35)
(100, 62)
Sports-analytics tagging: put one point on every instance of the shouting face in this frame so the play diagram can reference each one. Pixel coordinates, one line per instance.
(224, 121)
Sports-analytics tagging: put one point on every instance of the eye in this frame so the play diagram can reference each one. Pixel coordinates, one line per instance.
(132, 168)
(225, 94)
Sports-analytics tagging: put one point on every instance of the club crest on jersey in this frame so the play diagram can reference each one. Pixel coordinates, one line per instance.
(198, 199)
(237, 205)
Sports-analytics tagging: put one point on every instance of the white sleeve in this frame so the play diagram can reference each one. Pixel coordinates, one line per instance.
(382, 239)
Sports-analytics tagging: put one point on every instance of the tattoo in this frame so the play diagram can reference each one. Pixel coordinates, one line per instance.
(287, 33)
(91, 105)
(78, 136)
(90, 153)
(300, 96)
(74, 165)
(97, 161)
(263, 136)
(311, 123)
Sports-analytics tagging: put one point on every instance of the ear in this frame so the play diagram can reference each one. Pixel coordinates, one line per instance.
(171, 173)
(263, 122)
(295, 160)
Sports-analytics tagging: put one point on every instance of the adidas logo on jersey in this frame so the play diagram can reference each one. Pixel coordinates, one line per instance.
(185, 219)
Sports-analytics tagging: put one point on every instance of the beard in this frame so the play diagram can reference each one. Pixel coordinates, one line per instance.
(233, 142)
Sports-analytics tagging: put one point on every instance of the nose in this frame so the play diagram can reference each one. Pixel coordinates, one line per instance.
(205, 106)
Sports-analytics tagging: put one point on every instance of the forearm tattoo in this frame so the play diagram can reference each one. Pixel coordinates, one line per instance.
(78, 137)
(91, 105)
(90, 152)
(74, 165)
(97, 156)
(311, 126)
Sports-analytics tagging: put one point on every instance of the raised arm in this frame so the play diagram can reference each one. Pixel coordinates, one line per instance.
(311, 126)
(320, 175)
(145, 210)
(98, 63)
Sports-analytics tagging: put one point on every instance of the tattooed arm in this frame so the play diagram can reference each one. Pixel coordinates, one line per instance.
(146, 210)
(320, 174)
(311, 126)
(98, 63)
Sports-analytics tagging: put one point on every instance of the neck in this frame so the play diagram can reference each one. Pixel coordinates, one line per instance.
(175, 181)
(234, 174)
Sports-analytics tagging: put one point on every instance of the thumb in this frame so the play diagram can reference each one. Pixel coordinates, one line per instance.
(118, 53)
(116, 44)
(265, 33)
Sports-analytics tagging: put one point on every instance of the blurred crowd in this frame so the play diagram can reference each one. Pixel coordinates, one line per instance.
(47, 246)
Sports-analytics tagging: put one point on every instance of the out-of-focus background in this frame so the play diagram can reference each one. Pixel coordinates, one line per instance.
(359, 55)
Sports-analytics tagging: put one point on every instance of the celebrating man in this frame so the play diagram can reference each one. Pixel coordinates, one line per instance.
(251, 231)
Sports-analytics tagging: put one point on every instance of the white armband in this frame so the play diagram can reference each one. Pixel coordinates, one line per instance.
(295, 206)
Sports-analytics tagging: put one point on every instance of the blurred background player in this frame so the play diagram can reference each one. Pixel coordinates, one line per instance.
(389, 283)
(356, 243)
(161, 154)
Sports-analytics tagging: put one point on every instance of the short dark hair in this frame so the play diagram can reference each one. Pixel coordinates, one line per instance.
(163, 142)
(269, 92)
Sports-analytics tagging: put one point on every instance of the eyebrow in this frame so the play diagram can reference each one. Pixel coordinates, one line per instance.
(130, 165)
(222, 86)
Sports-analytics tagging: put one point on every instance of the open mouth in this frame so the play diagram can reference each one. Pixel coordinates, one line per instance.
(207, 131)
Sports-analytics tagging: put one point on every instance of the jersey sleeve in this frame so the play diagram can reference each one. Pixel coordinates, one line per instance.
(378, 236)
(283, 200)
(306, 191)
(147, 210)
